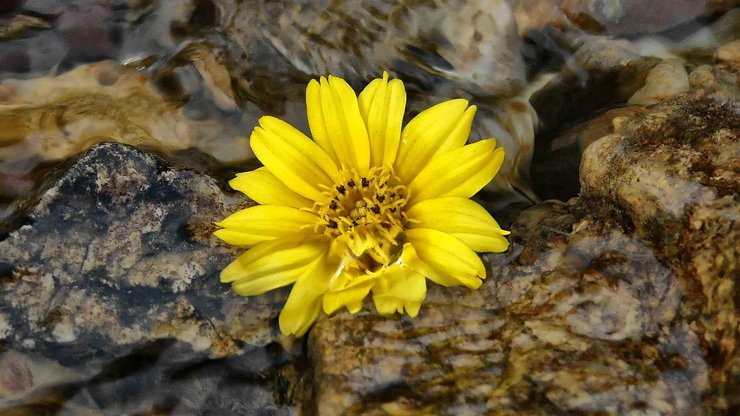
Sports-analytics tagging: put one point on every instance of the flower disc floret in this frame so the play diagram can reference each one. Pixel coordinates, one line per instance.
(366, 208)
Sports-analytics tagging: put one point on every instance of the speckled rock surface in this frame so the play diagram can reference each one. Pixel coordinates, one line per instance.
(580, 317)
(111, 272)
(620, 302)
(675, 170)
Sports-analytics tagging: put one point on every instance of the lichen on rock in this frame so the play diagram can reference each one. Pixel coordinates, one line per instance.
(112, 259)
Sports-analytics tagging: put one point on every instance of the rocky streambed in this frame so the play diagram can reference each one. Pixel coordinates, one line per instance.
(618, 294)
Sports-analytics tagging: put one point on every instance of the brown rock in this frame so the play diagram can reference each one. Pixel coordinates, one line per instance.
(476, 46)
(675, 171)
(579, 317)
(620, 302)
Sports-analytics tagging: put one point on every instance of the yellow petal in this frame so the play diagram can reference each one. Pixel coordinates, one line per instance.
(404, 289)
(273, 264)
(304, 302)
(461, 172)
(442, 258)
(382, 105)
(336, 124)
(292, 157)
(350, 295)
(436, 130)
(461, 218)
(259, 223)
(263, 187)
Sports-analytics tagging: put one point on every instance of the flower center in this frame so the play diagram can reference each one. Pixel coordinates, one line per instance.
(366, 211)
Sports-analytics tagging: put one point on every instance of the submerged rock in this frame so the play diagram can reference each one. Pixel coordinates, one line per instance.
(49, 119)
(637, 16)
(579, 317)
(604, 73)
(111, 272)
(620, 302)
(675, 171)
(474, 44)
(665, 80)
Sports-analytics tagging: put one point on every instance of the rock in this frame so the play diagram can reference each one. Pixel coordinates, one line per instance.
(716, 81)
(535, 15)
(665, 80)
(617, 302)
(110, 271)
(621, 17)
(607, 81)
(603, 75)
(729, 53)
(36, 54)
(614, 17)
(704, 42)
(579, 317)
(49, 119)
(20, 25)
(675, 171)
(555, 172)
(476, 46)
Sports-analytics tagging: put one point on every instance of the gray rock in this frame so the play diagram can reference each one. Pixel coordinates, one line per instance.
(637, 16)
(111, 272)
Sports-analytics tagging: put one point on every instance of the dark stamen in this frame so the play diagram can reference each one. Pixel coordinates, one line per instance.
(351, 183)
(375, 209)
(332, 224)
(365, 182)
(381, 198)
(341, 189)
(333, 204)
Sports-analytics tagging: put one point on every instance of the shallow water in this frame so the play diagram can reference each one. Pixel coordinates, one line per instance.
(188, 80)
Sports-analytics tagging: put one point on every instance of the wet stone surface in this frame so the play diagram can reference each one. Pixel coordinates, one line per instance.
(621, 302)
(474, 49)
(111, 272)
(580, 317)
(675, 171)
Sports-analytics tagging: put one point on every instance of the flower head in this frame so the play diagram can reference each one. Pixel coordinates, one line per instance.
(365, 207)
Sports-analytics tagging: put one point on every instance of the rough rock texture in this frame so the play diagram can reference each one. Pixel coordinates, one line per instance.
(621, 302)
(675, 170)
(579, 317)
(111, 272)
(609, 80)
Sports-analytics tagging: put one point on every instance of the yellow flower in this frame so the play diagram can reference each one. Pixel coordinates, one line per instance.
(365, 207)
